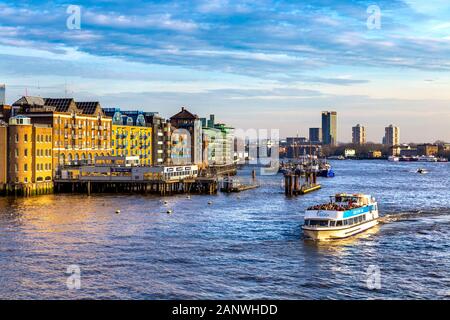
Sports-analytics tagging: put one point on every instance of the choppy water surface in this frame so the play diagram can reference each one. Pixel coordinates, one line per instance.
(242, 246)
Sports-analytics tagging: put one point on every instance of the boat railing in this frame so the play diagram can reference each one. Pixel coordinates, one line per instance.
(333, 206)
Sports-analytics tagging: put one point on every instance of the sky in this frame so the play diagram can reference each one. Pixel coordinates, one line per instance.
(254, 64)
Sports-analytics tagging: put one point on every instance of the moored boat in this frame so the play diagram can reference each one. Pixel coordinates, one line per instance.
(325, 170)
(428, 159)
(393, 159)
(344, 216)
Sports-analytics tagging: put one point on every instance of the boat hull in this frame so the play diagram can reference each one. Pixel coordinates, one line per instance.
(338, 233)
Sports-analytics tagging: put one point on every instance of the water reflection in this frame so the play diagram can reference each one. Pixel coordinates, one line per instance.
(241, 246)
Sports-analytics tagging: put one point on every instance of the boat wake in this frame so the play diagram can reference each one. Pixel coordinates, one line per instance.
(402, 216)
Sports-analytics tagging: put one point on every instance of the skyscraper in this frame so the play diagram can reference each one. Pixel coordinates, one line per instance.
(329, 127)
(391, 136)
(2, 94)
(315, 135)
(359, 134)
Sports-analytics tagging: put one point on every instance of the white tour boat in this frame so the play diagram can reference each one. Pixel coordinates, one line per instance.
(344, 216)
(428, 159)
(393, 158)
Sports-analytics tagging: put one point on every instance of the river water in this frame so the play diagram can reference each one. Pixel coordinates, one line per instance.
(240, 246)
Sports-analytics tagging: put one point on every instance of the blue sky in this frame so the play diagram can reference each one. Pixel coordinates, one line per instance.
(255, 64)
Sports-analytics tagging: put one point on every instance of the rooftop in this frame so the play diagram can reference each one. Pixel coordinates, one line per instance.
(184, 114)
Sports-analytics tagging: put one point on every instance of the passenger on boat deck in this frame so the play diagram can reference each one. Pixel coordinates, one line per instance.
(334, 207)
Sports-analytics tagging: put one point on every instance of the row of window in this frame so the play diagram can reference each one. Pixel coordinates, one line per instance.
(43, 138)
(39, 179)
(43, 167)
(82, 145)
(44, 152)
(79, 135)
(81, 123)
(39, 167)
(132, 153)
(180, 173)
(332, 223)
(39, 153)
(126, 132)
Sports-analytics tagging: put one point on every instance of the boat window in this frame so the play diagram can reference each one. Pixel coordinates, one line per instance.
(339, 223)
(306, 222)
(345, 222)
(320, 223)
(332, 223)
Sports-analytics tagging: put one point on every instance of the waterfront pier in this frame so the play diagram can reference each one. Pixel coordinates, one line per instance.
(160, 187)
(293, 184)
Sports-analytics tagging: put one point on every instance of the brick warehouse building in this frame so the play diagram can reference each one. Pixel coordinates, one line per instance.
(81, 130)
(25, 157)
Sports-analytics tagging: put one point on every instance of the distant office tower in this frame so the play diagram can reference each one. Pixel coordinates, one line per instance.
(359, 134)
(391, 136)
(2, 94)
(315, 135)
(329, 127)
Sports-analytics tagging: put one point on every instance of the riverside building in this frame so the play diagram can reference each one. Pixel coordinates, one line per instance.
(391, 136)
(28, 160)
(187, 138)
(130, 135)
(358, 134)
(315, 135)
(218, 143)
(161, 137)
(329, 128)
(81, 131)
(3, 155)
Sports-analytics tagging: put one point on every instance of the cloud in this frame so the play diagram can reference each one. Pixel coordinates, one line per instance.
(250, 54)
(251, 38)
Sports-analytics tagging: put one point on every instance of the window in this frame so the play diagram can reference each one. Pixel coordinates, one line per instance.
(16, 168)
(25, 153)
(339, 223)
(320, 223)
(16, 138)
(25, 167)
(332, 223)
(25, 138)
(16, 152)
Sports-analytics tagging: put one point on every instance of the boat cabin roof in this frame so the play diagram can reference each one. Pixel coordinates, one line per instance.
(358, 197)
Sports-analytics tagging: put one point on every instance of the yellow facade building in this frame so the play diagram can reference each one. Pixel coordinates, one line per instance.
(81, 130)
(29, 157)
(131, 135)
(3, 155)
(132, 141)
